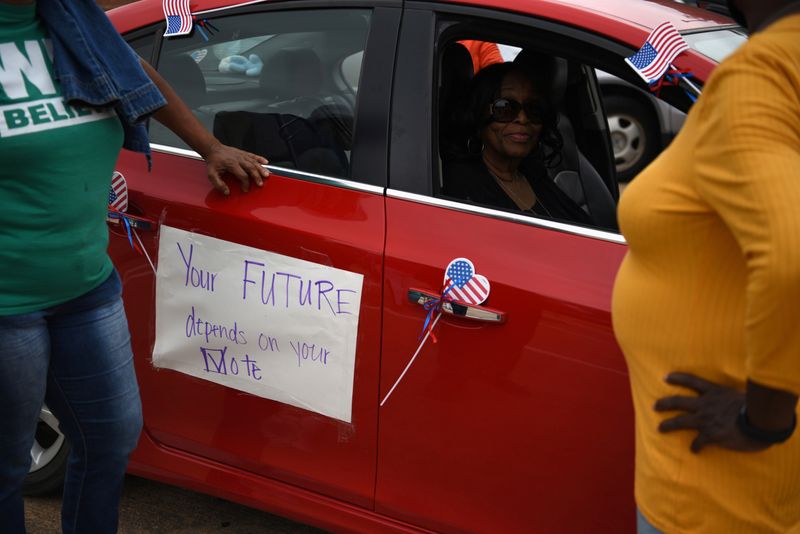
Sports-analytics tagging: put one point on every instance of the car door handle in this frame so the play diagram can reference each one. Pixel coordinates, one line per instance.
(467, 311)
(136, 221)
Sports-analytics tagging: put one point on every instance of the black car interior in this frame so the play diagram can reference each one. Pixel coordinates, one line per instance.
(302, 129)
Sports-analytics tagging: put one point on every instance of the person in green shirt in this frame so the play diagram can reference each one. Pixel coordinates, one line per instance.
(63, 333)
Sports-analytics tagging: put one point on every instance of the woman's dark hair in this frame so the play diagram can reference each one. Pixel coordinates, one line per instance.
(471, 117)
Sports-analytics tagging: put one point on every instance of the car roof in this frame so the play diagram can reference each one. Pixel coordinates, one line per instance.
(628, 21)
(646, 14)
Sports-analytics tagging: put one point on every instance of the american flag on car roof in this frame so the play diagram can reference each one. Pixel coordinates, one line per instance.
(118, 193)
(661, 48)
(179, 17)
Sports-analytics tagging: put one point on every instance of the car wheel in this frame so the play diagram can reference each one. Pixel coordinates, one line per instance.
(48, 457)
(634, 135)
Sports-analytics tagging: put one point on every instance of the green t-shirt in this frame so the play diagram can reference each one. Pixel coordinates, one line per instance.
(56, 162)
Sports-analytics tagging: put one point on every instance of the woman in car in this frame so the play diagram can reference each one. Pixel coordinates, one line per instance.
(510, 139)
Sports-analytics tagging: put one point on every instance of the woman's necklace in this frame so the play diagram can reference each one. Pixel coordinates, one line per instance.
(518, 190)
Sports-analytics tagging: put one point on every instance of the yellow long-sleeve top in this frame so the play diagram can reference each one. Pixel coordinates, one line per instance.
(711, 286)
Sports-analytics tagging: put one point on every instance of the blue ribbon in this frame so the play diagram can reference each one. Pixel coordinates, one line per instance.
(673, 79)
(432, 306)
(204, 23)
(670, 75)
(458, 276)
(128, 230)
(127, 223)
(211, 28)
(679, 75)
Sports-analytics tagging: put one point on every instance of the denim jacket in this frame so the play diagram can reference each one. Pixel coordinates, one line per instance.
(95, 65)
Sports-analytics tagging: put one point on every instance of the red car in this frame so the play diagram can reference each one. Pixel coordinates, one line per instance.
(516, 414)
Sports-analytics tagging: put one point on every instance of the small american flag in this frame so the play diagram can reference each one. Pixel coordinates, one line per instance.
(179, 17)
(463, 285)
(661, 48)
(118, 194)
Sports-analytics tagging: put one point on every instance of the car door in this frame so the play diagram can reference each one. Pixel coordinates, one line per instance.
(325, 74)
(519, 419)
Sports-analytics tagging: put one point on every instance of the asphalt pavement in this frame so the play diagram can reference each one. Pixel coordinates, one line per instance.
(150, 507)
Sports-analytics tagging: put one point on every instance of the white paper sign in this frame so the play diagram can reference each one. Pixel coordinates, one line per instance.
(274, 326)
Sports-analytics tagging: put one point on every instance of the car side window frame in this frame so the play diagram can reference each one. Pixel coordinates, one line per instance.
(413, 180)
(138, 40)
(369, 150)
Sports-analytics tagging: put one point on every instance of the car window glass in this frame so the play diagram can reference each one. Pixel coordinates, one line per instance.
(143, 46)
(351, 69)
(280, 84)
(509, 52)
(718, 44)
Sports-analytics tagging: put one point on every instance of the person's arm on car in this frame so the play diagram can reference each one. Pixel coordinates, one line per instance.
(220, 159)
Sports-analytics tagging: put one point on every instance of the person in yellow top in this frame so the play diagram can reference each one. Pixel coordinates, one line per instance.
(706, 305)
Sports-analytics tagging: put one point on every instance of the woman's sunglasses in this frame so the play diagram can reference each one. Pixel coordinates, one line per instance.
(506, 110)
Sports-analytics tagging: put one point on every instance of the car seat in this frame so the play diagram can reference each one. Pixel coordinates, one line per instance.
(185, 77)
(292, 76)
(294, 131)
(574, 174)
(293, 79)
(286, 140)
(455, 75)
(334, 122)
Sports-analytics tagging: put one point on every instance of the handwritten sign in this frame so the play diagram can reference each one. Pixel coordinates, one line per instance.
(270, 325)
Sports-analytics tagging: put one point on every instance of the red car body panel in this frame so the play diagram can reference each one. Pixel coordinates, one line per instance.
(629, 22)
(316, 223)
(588, 14)
(520, 426)
(533, 415)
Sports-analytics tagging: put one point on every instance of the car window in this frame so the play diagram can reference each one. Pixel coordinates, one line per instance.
(610, 125)
(509, 52)
(280, 84)
(716, 45)
(351, 69)
(564, 175)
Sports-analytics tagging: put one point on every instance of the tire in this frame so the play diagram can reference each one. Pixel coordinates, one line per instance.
(48, 457)
(634, 135)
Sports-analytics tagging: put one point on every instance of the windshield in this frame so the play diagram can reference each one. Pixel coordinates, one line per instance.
(716, 45)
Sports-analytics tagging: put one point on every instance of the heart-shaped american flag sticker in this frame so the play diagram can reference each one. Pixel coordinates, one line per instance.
(118, 193)
(463, 285)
